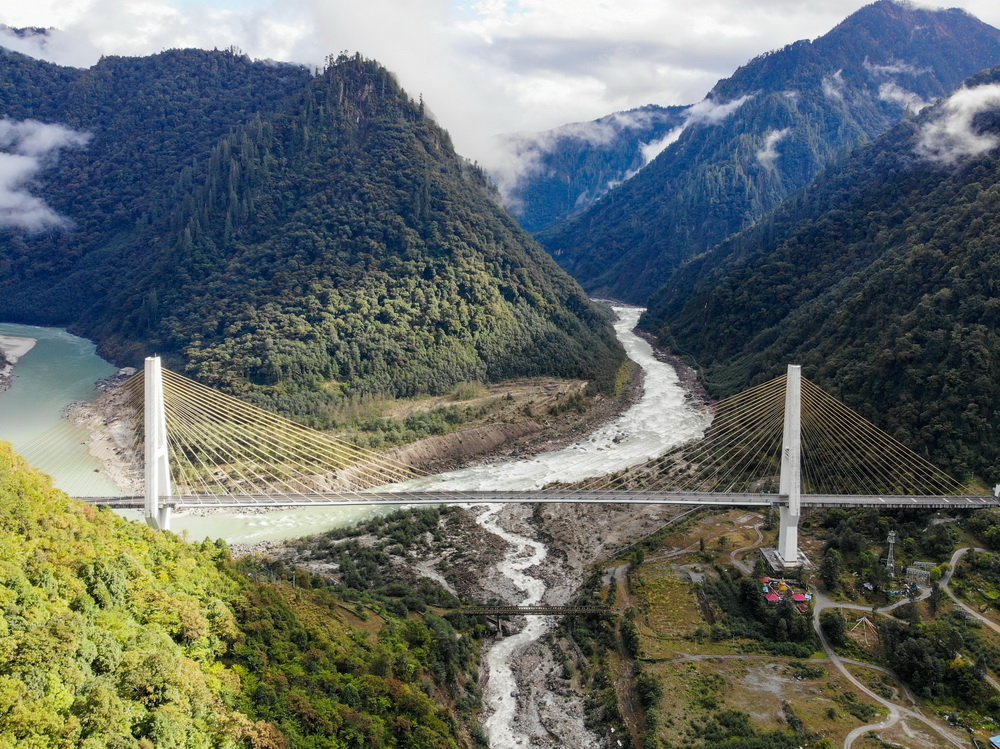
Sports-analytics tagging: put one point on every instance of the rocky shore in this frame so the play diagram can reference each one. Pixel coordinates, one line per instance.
(12, 348)
(111, 421)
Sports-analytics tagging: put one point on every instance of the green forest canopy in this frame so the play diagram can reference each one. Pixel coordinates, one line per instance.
(764, 133)
(114, 636)
(320, 240)
(881, 280)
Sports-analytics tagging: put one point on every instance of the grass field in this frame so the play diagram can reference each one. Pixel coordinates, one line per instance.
(701, 677)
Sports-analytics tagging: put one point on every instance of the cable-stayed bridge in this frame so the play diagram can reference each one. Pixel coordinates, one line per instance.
(783, 444)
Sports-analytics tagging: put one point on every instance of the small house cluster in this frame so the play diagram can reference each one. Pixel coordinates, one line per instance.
(776, 590)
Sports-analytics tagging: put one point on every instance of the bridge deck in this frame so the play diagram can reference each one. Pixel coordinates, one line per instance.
(550, 497)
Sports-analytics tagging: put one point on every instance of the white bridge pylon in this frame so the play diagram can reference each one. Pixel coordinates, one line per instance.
(790, 482)
(157, 473)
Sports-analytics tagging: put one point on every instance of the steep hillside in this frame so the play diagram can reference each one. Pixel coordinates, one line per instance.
(116, 636)
(882, 279)
(764, 133)
(144, 122)
(320, 241)
(550, 175)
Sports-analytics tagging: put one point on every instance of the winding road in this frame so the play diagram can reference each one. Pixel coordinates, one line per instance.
(747, 569)
(821, 602)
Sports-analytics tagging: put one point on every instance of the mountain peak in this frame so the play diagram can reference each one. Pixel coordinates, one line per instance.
(781, 118)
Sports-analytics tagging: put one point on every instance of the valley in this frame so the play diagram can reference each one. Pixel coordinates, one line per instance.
(346, 302)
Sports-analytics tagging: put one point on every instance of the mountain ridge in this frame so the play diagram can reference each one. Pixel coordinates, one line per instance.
(328, 244)
(787, 114)
(557, 173)
(879, 278)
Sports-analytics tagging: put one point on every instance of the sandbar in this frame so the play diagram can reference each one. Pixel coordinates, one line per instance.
(13, 348)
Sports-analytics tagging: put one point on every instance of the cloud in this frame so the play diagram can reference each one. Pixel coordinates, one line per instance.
(709, 112)
(953, 135)
(25, 148)
(769, 152)
(833, 86)
(893, 92)
(599, 132)
(653, 149)
(705, 112)
(524, 152)
(51, 44)
(483, 66)
(893, 68)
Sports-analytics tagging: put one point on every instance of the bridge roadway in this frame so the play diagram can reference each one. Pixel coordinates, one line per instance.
(549, 497)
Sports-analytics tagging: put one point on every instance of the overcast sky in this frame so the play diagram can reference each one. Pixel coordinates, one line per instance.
(482, 66)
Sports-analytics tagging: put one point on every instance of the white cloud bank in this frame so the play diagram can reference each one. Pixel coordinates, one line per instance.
(952, 136)
(769, 152)
(25, 148)
(705, 112)
(896, 93)
(483, 66)
(894, 67)
(834, 85)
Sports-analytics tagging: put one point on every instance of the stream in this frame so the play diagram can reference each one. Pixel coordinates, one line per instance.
(501, 685)
(662, 418)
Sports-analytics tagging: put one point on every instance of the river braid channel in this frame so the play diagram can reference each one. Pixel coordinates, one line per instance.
(520, 711)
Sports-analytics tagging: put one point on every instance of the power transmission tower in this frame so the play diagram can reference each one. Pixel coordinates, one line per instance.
(890, 560)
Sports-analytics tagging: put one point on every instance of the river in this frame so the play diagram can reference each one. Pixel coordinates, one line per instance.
(62, 369)
(662, 418)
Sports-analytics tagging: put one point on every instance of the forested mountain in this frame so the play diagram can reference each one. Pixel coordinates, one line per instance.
(764, 133)
(882, 279)
(114, 636)
(289, 236)
(557, 173)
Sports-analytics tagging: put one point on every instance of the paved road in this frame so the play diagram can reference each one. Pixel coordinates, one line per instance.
(822, 602)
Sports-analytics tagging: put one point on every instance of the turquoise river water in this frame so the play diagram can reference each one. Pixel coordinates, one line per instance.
(63, 369)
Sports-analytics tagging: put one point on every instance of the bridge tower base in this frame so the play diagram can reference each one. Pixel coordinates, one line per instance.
(157, 460)
(790, 483)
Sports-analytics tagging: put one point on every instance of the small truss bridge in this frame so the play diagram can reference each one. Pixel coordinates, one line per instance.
(783, 444)
(533, 610)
